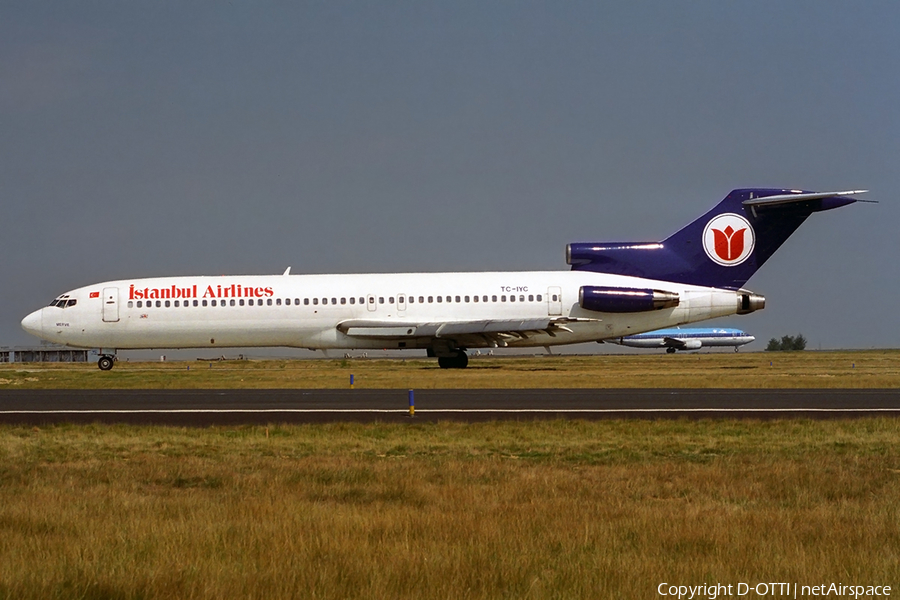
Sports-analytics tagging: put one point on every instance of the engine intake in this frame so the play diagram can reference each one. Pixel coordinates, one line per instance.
(624, 300)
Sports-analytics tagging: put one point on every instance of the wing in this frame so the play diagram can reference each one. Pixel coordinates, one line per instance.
(670, 342)
(464, 333)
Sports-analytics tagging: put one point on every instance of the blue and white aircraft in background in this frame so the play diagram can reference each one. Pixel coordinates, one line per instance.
(686, 339)
(613, 290)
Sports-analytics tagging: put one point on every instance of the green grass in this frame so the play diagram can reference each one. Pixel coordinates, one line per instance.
(543, 509)
(844, 369)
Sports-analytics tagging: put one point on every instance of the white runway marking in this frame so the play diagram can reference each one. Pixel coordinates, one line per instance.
(435, 410)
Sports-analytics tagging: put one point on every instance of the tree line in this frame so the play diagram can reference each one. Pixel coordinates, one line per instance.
(787, 343)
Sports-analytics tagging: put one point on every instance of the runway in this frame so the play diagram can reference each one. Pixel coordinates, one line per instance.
(201, 408)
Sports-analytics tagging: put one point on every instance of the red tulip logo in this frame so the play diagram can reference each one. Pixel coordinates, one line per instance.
(729, 243)
(728, 239)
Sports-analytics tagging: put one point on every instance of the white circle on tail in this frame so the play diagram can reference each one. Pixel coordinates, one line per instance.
(728, 239)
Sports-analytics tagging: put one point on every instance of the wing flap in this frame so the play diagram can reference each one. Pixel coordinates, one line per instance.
(395, 330)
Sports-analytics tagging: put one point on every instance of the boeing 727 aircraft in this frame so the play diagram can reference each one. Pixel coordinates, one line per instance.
(612, 290)
(686, 339)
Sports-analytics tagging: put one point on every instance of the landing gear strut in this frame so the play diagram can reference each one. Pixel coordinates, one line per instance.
(458, 361)
(106, 362)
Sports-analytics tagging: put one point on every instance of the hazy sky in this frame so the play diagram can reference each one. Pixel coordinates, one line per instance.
(143, 139)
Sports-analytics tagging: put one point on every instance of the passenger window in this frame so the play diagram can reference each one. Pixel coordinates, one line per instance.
(158, 304)
(430, 299)
(352, 300)
(539, 297)
(315, 301)
(334, 300)
(130, 304)
(324, 301)
(554, 297)
(411, 299)
(474, 298)
(177, 303)
(440, 298)
(467, 298)
(512, 298)
(448, 299)
(343, 301)
(503, 298)
(231, 302)
(269, 301)
(391, 300)
(362, 300)
(531, 297)
(521, 298)
(195, 303)
(241, 302)
(380, 300)
(167, 304)
(278, 302)
(422, 299)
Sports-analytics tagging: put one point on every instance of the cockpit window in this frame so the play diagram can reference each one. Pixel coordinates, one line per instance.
(63, 301)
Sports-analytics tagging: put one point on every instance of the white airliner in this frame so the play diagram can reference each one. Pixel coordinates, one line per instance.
(613, 290)
(690, 338)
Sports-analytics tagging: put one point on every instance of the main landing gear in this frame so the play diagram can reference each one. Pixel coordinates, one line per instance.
(670, 350)
(450, 358)
(106, 362)
(459, 361)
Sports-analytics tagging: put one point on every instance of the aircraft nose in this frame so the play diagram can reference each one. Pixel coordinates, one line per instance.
(33, 323)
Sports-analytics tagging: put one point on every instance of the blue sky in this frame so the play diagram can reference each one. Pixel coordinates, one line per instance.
(146, 139)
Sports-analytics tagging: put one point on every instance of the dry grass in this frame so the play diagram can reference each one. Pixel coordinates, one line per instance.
(845, 369)
(547, 509)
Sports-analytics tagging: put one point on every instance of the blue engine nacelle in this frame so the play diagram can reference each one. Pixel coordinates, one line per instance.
(624, 300)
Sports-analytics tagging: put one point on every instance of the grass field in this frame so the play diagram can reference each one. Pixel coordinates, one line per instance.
(546, 509)
(531, 509)
(843, 369)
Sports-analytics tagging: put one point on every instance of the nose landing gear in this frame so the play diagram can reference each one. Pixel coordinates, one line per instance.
(106, 362)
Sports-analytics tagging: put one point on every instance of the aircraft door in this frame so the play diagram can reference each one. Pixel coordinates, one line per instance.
(401, 303)
(110, 305)
(554, 301)
(371, 303)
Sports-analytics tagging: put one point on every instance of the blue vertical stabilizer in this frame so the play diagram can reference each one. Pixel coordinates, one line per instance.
(723, 248)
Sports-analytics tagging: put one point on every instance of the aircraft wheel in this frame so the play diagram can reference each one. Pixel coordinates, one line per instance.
(105, 363)
(670, 350)
(460, 361)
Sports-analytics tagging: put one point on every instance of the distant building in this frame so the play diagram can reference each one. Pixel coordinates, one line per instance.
(53, 354)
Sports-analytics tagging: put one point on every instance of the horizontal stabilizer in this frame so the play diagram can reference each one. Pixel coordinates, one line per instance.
(798, 197)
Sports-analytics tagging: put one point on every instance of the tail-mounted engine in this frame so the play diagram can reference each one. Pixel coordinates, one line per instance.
(624, 300)
(749, 302)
